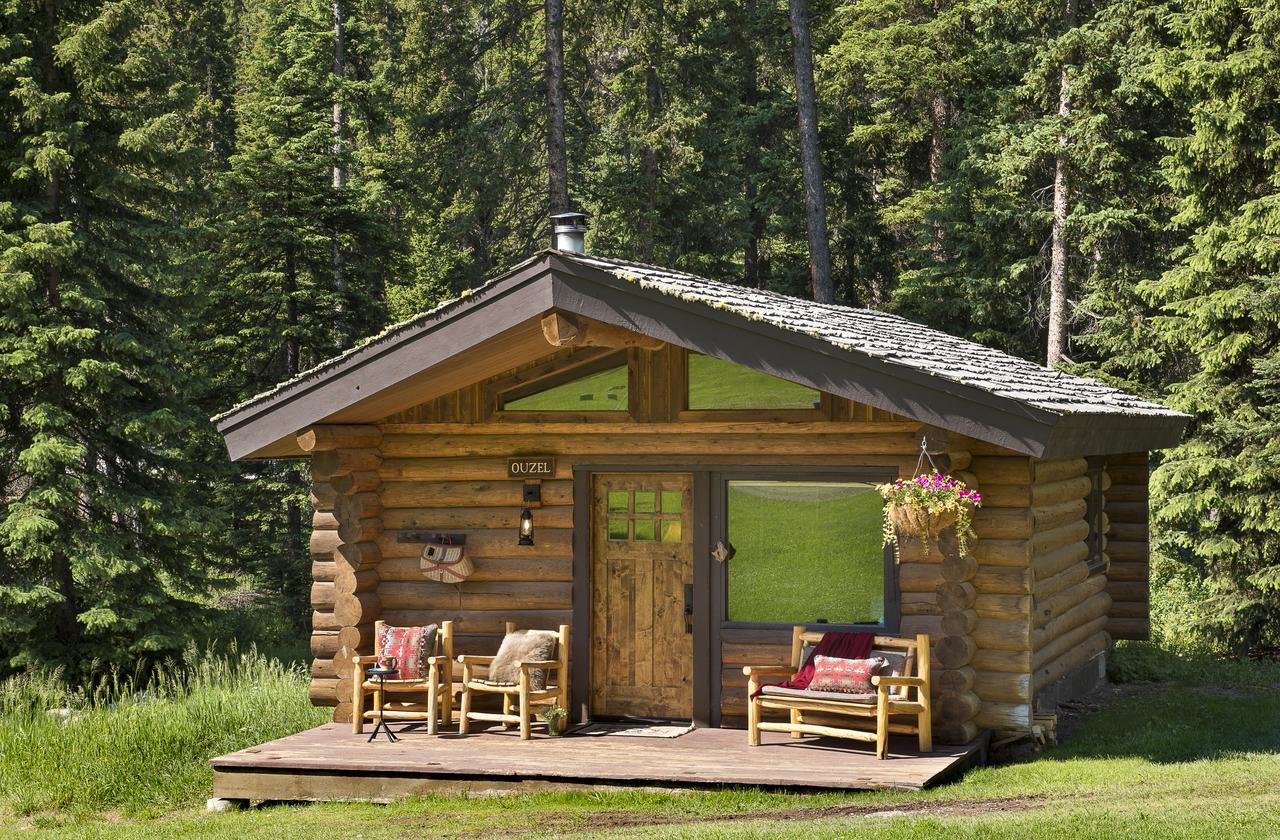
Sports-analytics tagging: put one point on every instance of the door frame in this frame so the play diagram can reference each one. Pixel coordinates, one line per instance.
(580, 677)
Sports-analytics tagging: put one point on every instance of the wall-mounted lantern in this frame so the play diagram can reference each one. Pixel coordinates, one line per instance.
(532, 499)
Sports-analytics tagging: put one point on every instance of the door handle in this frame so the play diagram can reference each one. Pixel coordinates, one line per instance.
(688, 608)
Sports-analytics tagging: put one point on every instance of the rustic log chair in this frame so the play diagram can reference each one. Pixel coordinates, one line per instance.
(437, 683)
(891, 697)
(518, 699)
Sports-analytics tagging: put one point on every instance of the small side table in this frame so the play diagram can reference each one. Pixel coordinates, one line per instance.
(381, 675)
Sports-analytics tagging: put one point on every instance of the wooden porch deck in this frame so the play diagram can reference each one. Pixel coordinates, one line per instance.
(331, 763)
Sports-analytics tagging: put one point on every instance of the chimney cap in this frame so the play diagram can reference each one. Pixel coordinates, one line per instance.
(569, 230)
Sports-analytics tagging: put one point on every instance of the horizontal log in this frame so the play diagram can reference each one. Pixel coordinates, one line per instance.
(349, 581)
(996, 634)
(1002, 661)
(1129, 628)
(1129, 458)
(1065, 642)
(735, 655)
(357, 638)
(323, 569)
(1094, 606)
(358, 481)
(323, 544)
(970, 480)
(438, 519)
(324, 620)
(357, 506)
(1002, 470)
(1137, 474)
(1002, 552)
(1003, 580)
(342, 712)
(357, 608)
(623, 427)
(323, 668)
(1004, 607)
(448, 494)
(949, 732)
(358, 555)
(1048, 609)
(476, 595)
(1129, 532)
(703, 442)
(1006, 495)
(1003, 523)
(959, 623)
(1128, 552)
(930, 625)
(1047, 565)
(954, 651)
(487, 569)
(1002, 687)
(1055, 516)
(1065, 579)
(1056, 492)
(1045, 541)
(322, 594)
(1127, 493)
(326, 437)
(1077, 656)
(324, 644)
(958, 461)
(482, 622)
(548, 542)
(1058, 469)
(919, 603)
(1005, 717)
(952, 680)
(957, 707)
(1129, 571)
(1130, 609)
(919, 577)
(958, 568)
(324, 520)
(334, 462)
(1136, 512)
(360, 530)
(323, 692)
(322, 496)
(1121, 590)
(955, 596)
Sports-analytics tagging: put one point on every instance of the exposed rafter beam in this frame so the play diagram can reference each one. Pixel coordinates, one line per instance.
(562, 330)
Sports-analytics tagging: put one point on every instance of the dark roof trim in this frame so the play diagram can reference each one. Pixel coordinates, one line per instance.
(256, 428)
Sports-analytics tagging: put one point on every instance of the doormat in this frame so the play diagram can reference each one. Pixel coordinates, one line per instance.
(633, 730)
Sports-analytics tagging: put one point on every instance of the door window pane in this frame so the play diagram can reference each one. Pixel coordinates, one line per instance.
(805, 551)
(646, 501)
(618, 501)
(671, 530)
(618, 529)
(645, 530)
(672, 501)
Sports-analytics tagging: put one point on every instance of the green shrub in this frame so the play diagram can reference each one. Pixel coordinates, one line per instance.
(141, 746)
(1151, 662)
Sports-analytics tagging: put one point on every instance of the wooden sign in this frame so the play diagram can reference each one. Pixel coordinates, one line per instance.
(537, 466)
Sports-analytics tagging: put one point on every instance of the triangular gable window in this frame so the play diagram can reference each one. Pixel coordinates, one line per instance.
(593, 387)
(715, 385)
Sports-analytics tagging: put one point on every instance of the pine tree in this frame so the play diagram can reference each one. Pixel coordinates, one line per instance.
(104, 520)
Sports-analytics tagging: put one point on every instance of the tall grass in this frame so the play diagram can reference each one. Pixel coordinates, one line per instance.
(141, 746)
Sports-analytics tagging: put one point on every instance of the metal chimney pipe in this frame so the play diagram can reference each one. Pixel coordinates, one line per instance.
(569, 231)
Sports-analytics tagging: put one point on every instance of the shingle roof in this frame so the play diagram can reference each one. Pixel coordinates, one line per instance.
(892, 339)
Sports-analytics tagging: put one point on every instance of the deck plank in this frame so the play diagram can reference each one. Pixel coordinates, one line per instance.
(330, 763)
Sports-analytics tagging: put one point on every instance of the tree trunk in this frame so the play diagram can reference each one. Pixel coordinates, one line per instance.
(1058, 275)
(292, 349)
(939, 112)
(341, 327)
(557, 165)
(815, 203)
(753, 271)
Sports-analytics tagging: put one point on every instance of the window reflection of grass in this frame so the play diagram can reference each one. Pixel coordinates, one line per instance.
(805, 551)
(603, 391)
(716, 384)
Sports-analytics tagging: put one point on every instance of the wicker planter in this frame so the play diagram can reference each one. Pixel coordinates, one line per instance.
(917, 522)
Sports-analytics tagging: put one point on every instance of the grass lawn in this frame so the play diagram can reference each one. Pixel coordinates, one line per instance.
(1195, 757)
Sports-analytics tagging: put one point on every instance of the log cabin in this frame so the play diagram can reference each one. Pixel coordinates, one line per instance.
(695, 463)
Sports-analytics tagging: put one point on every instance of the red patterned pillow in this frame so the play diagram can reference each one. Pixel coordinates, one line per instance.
(410, 646)
(848, 676)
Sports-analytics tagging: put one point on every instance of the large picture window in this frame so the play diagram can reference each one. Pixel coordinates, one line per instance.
(715, 384)
(805, 552)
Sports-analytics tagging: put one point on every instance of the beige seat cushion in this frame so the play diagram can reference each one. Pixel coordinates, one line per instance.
(855, 699)
(522, 646)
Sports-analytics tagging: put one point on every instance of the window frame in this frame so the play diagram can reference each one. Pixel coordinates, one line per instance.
(680, 382)
(719, 516)
(561, 372)
(1095, 504)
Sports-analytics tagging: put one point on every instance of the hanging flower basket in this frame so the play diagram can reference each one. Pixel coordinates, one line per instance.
(924, 506)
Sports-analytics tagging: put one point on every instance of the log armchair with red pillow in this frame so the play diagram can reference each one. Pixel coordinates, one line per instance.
(881, 683)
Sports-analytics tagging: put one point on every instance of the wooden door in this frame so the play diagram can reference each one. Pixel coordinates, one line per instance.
(641, 565)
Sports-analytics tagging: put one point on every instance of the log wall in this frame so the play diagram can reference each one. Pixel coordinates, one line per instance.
(1128, 546)
(1003, 617)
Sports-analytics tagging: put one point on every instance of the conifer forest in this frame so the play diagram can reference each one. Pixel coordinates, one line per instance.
(201, 198)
